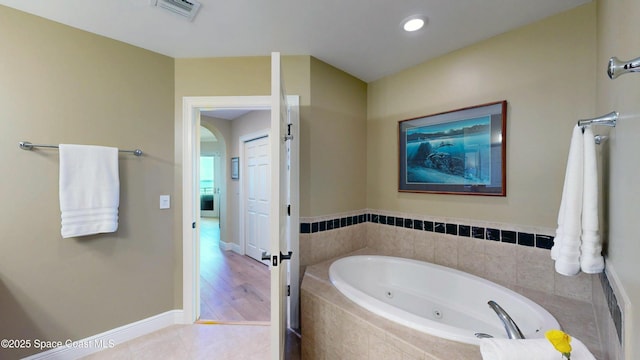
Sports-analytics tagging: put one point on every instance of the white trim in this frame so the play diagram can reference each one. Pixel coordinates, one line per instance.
(236, 248)
(225, 246)
(80, 348)
(294, 241)
(276, 203)
(625, 307)
(241, 193)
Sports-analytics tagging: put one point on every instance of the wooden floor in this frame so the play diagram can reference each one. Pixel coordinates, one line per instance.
(233, 287)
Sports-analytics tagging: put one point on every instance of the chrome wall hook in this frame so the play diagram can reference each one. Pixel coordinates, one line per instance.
(617, 67)
(599, 139)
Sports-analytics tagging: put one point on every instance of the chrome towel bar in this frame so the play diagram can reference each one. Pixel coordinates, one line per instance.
(25, 145)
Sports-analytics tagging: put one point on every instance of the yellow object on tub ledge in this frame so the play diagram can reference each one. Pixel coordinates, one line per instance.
(530, 349)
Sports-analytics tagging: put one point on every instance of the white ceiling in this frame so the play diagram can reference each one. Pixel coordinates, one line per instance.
(226, 114)
(361, 37)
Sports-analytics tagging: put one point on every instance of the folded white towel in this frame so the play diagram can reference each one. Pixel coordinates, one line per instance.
(530, 349)
(591, 260)
(566, 248)
(89, 189)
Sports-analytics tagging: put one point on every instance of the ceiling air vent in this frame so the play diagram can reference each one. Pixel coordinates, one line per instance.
(185, 8)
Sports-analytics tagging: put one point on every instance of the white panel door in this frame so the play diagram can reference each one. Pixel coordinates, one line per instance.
(279, 193)
(257, 203)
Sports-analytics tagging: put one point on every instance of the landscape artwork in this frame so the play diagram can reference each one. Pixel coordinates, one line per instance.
(459, 152)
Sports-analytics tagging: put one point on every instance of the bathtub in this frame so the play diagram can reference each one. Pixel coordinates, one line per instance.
(434, 299)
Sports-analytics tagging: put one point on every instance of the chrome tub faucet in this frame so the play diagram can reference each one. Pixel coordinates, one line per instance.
(513, 332)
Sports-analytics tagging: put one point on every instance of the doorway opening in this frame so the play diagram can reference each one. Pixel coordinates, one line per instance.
(233, 287)
(192, 108)
(209, 183)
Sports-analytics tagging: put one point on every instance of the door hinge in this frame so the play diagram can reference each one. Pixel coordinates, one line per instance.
(288, 136)
(193, 225)
(288, 290)
(289, 209)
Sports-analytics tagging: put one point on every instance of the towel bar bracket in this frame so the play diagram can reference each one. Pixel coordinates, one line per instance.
(617, 67)
(609, 119)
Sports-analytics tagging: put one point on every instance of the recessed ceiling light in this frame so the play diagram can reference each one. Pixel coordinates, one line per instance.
(413, 23)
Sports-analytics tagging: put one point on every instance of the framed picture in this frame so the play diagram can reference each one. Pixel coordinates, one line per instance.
(455, 152)
(235, 168)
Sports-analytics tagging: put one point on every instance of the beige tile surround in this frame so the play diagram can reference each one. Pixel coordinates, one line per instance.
(527, 270)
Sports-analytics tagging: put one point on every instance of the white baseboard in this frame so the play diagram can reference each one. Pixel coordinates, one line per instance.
(71, 350)
(224, 246)
(230, 246)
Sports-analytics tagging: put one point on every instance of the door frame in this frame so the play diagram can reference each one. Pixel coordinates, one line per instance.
(191, 107)
(241, 193)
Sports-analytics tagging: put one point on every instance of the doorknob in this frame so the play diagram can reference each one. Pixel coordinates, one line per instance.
(274, 260)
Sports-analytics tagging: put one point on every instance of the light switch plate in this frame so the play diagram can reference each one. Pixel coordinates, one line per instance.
(165, 201)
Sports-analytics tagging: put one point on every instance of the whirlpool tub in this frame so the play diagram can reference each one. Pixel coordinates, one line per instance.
(434, 299)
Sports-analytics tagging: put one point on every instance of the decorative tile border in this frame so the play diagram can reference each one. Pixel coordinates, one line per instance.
(330, 224)
(612, 303)
(542, 241)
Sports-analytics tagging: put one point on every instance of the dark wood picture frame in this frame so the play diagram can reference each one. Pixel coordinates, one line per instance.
(461, 151)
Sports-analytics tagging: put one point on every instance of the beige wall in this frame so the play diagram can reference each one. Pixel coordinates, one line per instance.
(334, 161)
(546, 73)
(618, 29)
(61, 85)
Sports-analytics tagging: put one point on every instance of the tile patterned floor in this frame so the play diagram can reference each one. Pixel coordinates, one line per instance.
(241, 342)
(194, 342)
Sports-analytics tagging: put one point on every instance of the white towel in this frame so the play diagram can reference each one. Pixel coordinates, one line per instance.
(566, 248)
(577, 245)
(591, 260)
(89, 189)
(530, 349)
